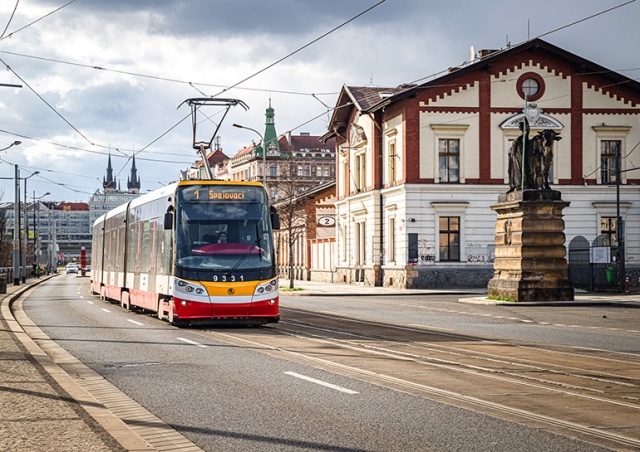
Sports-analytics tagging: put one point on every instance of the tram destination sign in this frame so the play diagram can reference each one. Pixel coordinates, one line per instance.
(220, 193)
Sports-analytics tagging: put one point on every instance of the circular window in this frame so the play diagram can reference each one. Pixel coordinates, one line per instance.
(531, 85)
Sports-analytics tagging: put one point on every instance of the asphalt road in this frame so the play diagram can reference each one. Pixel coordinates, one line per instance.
(229, 397)
(598, 326)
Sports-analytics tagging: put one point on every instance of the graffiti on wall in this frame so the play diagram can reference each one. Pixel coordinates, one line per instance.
(479, 252)
(426, 252)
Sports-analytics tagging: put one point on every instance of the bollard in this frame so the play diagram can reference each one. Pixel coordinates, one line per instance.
(626, 285)
(3, 283)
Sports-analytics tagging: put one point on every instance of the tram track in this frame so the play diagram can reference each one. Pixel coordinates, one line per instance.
(589, 394)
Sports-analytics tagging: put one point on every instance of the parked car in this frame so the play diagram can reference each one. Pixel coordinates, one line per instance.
(72, 268)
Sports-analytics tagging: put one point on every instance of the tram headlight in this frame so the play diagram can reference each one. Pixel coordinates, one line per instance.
(192, 290)
(268, 287)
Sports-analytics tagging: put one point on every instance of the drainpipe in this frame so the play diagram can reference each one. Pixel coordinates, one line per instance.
(378, 125)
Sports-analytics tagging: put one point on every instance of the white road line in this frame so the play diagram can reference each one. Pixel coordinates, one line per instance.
(105, 310)
(430, 327)
(134, 322)
(191, 342)
(322, 383)
(90, 302)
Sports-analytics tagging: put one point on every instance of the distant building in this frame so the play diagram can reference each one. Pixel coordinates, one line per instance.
(111, 197)
(268, 161)
(217, 163)
(66, 227)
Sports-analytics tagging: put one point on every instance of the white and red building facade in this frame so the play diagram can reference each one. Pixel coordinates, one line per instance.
(418, 167)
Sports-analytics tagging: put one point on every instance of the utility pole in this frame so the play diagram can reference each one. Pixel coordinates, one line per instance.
(16, 229)
(620, 257)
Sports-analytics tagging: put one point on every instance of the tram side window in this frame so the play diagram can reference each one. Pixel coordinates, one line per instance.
(132, 251)
(146, 246)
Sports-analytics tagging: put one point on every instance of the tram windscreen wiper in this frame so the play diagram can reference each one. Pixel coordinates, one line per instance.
(244, 256)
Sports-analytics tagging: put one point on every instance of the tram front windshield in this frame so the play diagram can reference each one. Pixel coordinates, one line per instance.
(223, 233)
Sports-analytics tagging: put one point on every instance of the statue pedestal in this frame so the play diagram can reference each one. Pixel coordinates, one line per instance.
(530, 253)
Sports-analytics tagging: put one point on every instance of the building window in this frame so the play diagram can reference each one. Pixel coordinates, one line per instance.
(360, 243)
(448, 161)
(300, 170)
(449, 239)
(307, 170)
(345, 188)
(343, 244)
(392, 163)
(360, 175)
(608, 230)
(609, 151)
(530, 86)
(391, 246)
(272, 170)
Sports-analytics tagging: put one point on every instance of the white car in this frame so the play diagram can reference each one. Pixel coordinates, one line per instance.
(72, 268)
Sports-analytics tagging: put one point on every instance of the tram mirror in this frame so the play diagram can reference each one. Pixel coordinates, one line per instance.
(275, 219)
(168, 220)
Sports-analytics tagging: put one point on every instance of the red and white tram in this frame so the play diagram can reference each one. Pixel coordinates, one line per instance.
(195, 252)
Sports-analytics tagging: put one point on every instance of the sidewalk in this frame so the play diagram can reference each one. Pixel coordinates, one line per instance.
(37, 412)
(477, 296)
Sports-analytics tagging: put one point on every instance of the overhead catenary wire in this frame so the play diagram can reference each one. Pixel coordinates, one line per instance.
(238, 87)
(36, 21)
(13, 13)
(192, 84)
(301, 48)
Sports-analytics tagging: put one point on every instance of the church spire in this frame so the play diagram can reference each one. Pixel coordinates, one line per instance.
(109, 183)
(270, 135)
(133, 183)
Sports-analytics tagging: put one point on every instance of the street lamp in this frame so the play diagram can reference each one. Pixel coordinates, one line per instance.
(264, 152)
(35, 229)
(16, 221)
(15, 143)
(26, 230)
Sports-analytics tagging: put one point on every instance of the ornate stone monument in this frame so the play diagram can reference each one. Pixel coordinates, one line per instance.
(530, 256)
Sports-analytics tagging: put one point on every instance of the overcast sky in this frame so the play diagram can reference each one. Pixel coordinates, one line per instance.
(155, 54)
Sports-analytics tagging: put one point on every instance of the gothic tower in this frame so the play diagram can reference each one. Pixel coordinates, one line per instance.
(133, 183)
(109, 183)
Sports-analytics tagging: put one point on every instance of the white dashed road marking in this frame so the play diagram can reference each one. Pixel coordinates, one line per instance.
(191, 342)
(322, 383)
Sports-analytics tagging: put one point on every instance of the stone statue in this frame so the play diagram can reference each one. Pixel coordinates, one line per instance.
(537, 160)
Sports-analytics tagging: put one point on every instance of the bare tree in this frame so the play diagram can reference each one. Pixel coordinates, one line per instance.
(294, 181)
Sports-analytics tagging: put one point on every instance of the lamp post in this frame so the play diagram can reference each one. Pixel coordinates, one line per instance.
(531, 116)
(35, 229)
(24, 246)
(16, 221)
(264, 152)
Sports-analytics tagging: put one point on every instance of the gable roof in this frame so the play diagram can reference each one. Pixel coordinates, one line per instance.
(364, 98)
(580, 64)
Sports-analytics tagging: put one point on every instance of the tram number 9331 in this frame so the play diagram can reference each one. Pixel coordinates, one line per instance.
(225, 278)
